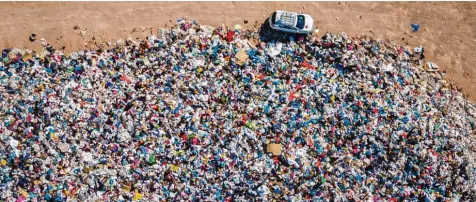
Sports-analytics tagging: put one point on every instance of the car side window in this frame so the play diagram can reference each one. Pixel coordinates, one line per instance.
(273, 18)
(300, 22)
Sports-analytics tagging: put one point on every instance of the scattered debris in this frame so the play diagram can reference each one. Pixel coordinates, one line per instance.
(241, 57)
(415, 27)
(82, 32)
(33, 37)
(431, 67)
(275, 149)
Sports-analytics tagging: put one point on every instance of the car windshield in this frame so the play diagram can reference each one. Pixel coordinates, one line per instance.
(300, 22)
(273, 18)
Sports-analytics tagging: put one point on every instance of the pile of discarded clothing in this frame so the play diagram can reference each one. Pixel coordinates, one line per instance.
(218, 114)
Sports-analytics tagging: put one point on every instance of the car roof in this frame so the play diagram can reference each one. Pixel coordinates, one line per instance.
(287, 18)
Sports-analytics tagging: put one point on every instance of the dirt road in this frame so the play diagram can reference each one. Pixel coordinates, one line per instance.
(448, 29)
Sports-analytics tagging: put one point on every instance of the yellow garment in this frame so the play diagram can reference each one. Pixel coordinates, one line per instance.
(137, 196)
(27, 57)
(174, 168)
(126, 188)
(200, 70)
(24, 193)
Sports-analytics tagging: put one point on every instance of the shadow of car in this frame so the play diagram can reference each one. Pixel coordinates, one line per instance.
(268, 34)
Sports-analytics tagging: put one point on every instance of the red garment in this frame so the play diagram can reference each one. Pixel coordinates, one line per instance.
(229, 36)
(307, 65)
(375, 110)
(291, 96)
(184, 137)
(126, 79)
(244, 118)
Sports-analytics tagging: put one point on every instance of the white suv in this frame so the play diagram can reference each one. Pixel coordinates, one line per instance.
(291, 22)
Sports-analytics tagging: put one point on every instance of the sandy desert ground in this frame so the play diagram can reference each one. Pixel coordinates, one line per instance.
(448, 29)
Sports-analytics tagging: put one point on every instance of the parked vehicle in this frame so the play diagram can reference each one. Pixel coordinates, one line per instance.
(291, 22)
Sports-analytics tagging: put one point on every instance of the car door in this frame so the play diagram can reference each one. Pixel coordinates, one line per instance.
(289, 29)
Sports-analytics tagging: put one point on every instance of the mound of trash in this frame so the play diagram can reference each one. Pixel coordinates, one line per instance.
(202, 113)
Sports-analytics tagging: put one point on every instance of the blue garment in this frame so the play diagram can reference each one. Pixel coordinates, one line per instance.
(415, 27)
